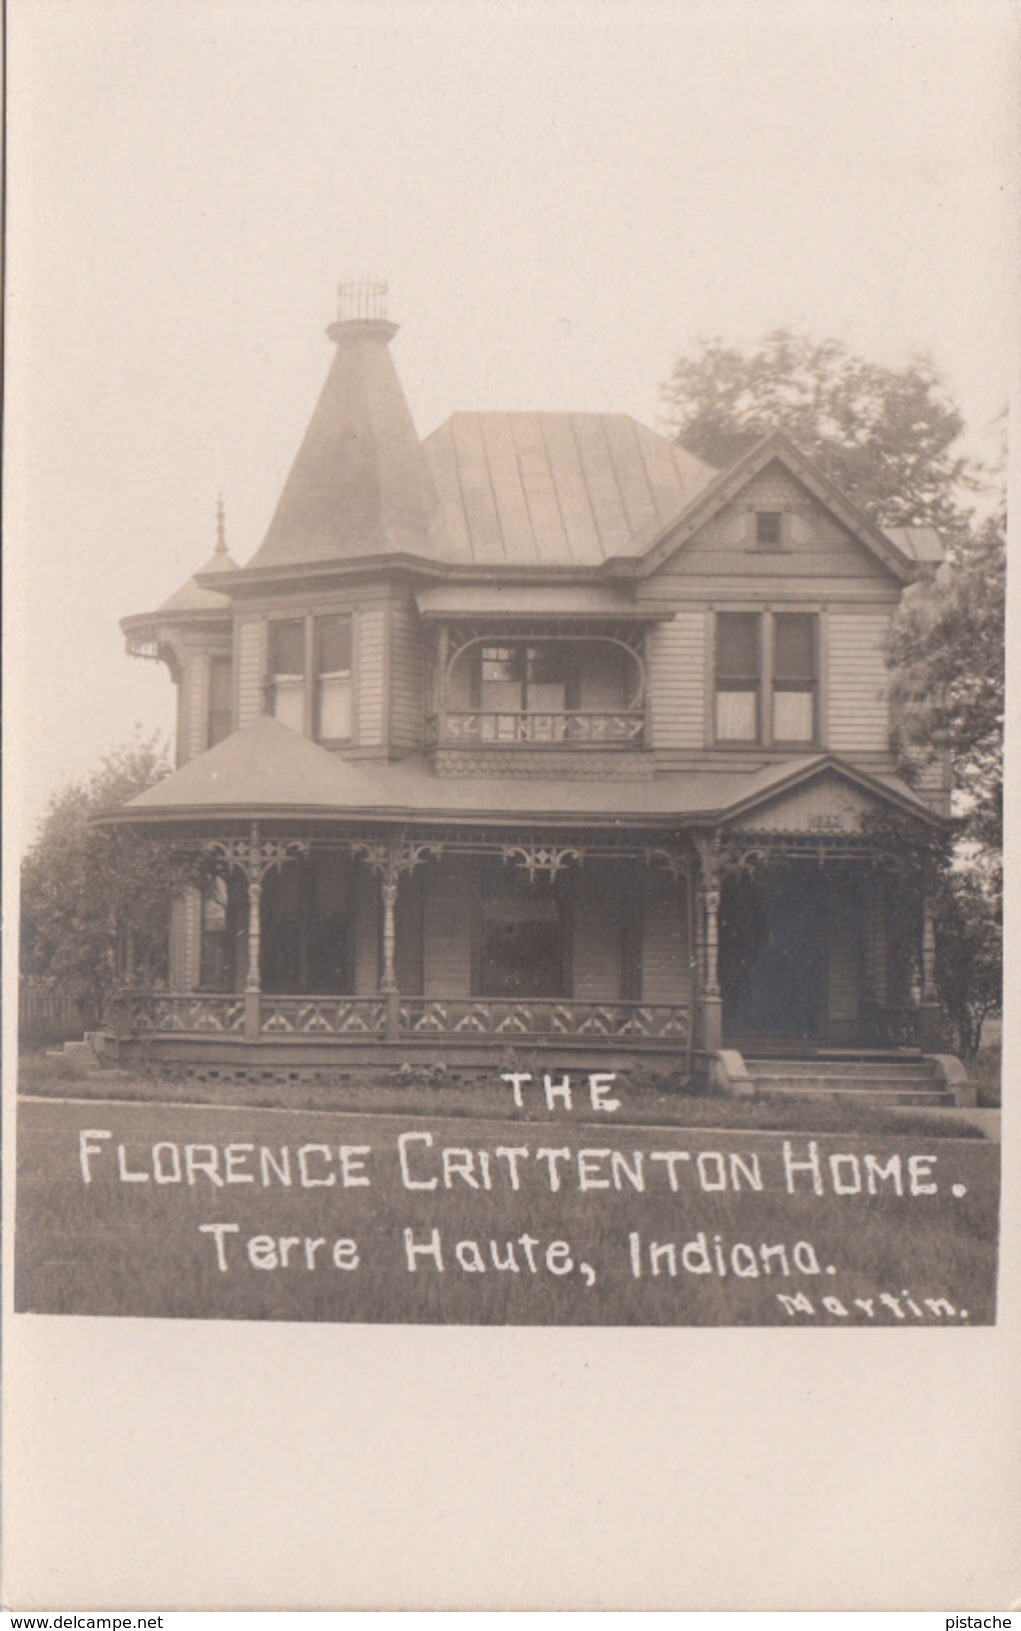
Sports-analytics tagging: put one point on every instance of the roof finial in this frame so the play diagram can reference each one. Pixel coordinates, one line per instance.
(221, 526)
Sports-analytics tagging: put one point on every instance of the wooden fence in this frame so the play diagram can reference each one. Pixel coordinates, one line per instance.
(48, 1014)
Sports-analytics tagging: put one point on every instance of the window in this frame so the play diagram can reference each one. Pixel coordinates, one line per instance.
(523, 679)
(287, 671)
(766, 678)
(794, 676)
(768, 529)
(738, 676)
(516, 678)
(333, 679)
(310, 675)
(220, 710)
(520, 933)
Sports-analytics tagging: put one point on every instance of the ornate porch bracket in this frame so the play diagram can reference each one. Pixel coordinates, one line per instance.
(389, 857)
(548, 858)
(255, 856)
(672, 861)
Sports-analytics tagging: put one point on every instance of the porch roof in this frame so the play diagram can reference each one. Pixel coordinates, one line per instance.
(269, 771)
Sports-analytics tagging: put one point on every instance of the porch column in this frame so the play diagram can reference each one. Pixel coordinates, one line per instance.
(929, 1014)
(388, 981)
(253, 978)
(712, 1002)
(442, 660)
(389, 859)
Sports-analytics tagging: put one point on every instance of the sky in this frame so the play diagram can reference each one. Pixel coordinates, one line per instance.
(563, 198)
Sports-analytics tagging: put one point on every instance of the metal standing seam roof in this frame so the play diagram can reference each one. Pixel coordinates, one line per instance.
(268, 769)
(555, 489)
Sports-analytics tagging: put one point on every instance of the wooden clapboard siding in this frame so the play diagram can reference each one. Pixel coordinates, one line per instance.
(366, 897)
(407, 681)
(858, 709)
(842, 962)
(664, 941)
(370, 656)
(250, 669)
(196, 706)
(789, 581)
(186, 940)
(598, 937)
(408, 946)
(676, 658)
(446, 931)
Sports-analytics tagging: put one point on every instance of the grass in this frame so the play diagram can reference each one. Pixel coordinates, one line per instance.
(124, 1246)
(985, 1070)
(647, 1099)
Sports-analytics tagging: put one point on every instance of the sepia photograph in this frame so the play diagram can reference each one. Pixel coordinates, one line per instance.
(506, 602)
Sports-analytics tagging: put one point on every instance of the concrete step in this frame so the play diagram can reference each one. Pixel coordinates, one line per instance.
(886, 1082)
(918, 1069)
(932, 1098)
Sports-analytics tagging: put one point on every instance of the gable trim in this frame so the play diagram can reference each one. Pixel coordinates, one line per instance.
(729, 482)
(831, 764)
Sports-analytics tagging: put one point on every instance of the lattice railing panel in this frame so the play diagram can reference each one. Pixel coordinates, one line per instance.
(623, 725)
(536, 1018)
(191, 1013)
(322, 1016)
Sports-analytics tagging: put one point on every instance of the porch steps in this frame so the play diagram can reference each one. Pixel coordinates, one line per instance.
(88, 1057)
(891, 1079)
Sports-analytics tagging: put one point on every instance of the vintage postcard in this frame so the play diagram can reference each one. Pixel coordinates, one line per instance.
(506, 518)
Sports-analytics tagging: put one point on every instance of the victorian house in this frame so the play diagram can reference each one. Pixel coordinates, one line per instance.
(536, 734)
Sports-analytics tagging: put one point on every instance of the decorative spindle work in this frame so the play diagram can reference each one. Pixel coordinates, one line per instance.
(542, 858)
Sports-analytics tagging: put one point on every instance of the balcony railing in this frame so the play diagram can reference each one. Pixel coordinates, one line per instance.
(622, 726)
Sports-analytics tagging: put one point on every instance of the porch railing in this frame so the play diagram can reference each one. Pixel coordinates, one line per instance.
(602, 729)
(544, 1018)
(322, 1016)
(150, 1013)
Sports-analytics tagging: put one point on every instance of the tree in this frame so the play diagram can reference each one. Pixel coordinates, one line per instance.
(947, 654)
(884, 436)
(84, 889)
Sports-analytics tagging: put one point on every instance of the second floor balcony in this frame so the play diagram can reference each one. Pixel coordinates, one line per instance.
(566, 690)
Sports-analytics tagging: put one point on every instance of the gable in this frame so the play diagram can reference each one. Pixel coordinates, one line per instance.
(815, 542)
(827, 802)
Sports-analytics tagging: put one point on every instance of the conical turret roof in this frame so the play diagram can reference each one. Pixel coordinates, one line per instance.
(360, 484)
(192, 595)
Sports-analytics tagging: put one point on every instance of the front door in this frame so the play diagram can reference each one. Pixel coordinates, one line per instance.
(773, 956)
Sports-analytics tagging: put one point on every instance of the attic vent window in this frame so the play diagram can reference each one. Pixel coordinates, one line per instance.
(768, 529)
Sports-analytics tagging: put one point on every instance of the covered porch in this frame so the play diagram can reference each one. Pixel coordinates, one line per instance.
(309, 938)
(358, 913)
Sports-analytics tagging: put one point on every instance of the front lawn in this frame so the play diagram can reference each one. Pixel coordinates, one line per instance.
(646, 1099)
(232, 1213)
